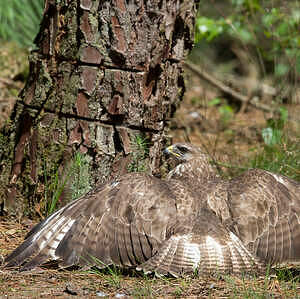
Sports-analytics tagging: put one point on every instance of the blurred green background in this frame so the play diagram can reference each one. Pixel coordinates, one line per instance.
(20, 20)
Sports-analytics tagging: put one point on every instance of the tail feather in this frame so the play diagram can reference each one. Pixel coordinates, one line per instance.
(182, 254)
(160, 262)
(242, 259)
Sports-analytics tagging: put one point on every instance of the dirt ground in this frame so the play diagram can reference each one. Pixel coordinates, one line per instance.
(79, 284)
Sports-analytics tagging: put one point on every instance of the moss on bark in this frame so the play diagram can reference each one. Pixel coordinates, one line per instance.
(104, 72)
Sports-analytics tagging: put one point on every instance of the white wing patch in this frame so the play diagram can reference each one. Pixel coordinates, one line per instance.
(193, 252)
(278, 178)
(59, 237)
(38, 233)
(52, 229)
(50, 233)
(215, 251)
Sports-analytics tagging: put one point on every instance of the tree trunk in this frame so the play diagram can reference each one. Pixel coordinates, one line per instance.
(104, 81)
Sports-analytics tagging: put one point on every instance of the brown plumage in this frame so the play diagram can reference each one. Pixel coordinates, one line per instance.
(192, 221)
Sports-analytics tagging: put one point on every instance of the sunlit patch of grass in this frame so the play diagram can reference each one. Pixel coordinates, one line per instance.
(269, 286)
(283, 158)
(278, 151)
(113, 278)
(275, 282)
(280, 154)
(288, 274)
(289, 280)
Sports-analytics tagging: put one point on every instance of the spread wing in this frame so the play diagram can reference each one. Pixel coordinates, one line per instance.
(122, 222)
(265, 209)
(137, 221)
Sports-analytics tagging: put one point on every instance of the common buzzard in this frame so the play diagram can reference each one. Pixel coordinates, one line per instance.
(191, 221)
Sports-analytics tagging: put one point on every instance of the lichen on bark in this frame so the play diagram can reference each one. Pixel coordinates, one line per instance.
(104, 72)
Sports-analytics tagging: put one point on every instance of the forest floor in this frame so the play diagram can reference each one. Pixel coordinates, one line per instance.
(231, 138)
(115, 284)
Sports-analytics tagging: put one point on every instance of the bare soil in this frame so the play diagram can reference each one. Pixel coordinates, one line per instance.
(49, 283)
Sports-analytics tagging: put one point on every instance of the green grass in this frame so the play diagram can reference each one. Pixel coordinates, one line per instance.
(280, 153)
(138, 286)
(276, 283)
(114, 276)
(20, 20)
(277, 151)
(70, 183)
(281, 158)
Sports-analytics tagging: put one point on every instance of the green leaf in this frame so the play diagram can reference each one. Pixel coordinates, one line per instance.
(283, 113)
(214, 102)
(268, 20)
(283, 29)
(209, 28)
(281, 69)
(226, 112)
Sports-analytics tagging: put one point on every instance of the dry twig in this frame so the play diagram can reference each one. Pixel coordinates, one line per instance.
(226, 89)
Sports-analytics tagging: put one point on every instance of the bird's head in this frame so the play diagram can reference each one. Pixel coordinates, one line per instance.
(183, 152)
(187, 160)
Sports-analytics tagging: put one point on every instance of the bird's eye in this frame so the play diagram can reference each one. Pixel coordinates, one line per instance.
(182, 149)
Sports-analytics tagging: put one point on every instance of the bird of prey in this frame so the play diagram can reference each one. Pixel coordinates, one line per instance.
(190, 221)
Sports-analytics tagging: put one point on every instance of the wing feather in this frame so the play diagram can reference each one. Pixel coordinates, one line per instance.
(263, 208)
(121, 222)
(194, 222)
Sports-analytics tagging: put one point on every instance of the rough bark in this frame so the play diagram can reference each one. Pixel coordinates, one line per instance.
(105, 73)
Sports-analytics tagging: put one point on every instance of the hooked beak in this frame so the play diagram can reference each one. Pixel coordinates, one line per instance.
(170, 151)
